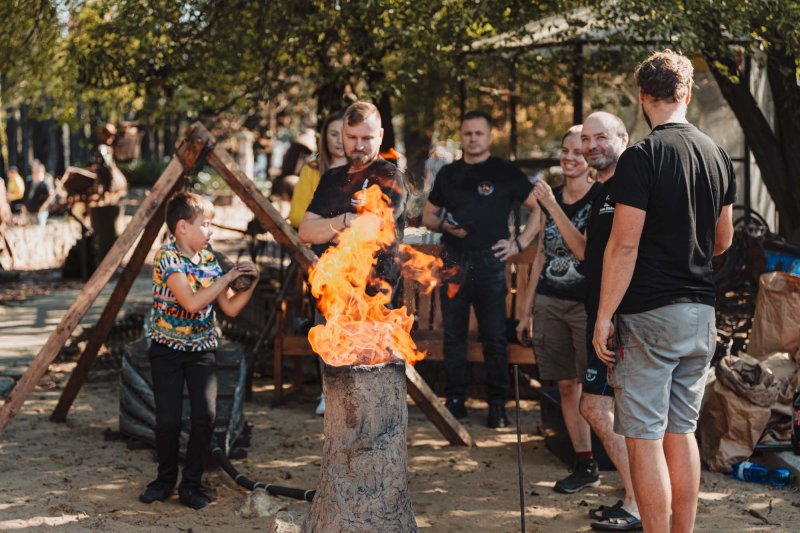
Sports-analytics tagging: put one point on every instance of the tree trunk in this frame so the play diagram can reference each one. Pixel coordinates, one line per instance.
(776, 158)
(11, 136)
(363, 485)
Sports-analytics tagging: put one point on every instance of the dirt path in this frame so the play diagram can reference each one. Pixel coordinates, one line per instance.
(68, 477)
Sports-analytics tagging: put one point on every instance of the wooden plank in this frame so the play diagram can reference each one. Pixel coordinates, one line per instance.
(260, 205)
(435, 410)
(106, 321)
(99, 279)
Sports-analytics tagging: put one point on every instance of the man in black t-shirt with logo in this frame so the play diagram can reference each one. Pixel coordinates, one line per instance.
(333, 206)
(674, 192)
(470, 205)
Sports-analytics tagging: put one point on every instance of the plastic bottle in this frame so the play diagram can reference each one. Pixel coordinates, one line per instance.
(756, 473)
(796, 422)
(747, 471)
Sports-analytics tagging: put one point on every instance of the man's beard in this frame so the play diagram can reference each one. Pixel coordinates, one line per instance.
(360, 159)
(647, 118)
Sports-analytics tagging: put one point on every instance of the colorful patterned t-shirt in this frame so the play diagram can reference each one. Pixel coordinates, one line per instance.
(173, 325)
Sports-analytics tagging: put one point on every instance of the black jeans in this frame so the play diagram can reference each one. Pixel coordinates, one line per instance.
(170, 369)
(482, 280)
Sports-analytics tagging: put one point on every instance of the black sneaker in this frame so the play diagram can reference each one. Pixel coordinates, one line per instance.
(585, 475)
(193, 497)
(497, 417)
(156, 491)
(456, 407)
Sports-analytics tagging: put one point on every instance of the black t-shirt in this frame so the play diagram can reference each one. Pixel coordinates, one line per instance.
(479, 197)
(681, 178)
(334, 196)
(598, 230)
(562, 273)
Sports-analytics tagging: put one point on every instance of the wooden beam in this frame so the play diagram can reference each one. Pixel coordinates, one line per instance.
(261, 207)
(190, 150)
(106, 321)
(435, 410)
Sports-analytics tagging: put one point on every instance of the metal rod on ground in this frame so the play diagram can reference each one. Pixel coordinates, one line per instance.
(519, 454)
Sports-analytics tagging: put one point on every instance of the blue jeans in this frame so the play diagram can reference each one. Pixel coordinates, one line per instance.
(482, 280)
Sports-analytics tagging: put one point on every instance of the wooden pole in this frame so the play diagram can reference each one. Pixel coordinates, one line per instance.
(435, 410)
(190, 150)
(106, 321)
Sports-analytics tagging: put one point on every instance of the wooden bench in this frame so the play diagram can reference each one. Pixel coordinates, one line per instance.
(428, 328)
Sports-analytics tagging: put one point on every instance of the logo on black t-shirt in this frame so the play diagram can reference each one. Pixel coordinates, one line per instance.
(485, 188)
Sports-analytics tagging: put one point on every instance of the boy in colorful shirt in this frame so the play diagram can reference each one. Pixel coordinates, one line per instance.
(187, 280)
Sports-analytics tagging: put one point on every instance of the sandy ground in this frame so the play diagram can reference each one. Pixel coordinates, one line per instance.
(67, 477)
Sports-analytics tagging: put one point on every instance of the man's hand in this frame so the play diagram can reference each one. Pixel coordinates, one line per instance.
(544, 194)
(455, 231)
(602, 340)
(505, 248)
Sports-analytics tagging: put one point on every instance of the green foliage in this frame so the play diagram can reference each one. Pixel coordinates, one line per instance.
(142, 173)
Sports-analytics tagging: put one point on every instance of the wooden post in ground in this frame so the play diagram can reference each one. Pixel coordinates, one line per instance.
(106, 321)
(190, 150)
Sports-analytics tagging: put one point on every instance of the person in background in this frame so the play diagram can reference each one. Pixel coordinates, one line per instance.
(556, 292)
(39, 195)
(330, 154)
(15, 188)
(470, 204)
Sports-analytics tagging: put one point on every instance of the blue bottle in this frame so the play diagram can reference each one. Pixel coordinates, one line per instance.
(756, 473)
(780, 477)
(747, 471)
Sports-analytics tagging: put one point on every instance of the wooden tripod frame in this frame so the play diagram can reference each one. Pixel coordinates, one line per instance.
(148, 220)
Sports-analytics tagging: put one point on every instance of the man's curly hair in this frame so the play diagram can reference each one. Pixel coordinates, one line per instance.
(665, 75)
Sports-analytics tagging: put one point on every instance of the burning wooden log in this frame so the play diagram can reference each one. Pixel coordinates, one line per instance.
(363, 484)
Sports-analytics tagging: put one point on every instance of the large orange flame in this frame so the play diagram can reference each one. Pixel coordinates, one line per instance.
(360, 327)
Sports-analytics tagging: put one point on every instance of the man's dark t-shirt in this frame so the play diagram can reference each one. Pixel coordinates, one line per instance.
(562, 273)
(681, 178)
(479, 197)
(598, 231)
(334, 196)
(37, 195)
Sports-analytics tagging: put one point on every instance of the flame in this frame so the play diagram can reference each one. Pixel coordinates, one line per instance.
(360, 327)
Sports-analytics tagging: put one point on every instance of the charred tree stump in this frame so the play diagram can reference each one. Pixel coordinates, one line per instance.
(363, 485)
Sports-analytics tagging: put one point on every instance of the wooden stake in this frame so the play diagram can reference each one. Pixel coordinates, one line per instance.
(106, 321)
(190, 150)
(436, 412)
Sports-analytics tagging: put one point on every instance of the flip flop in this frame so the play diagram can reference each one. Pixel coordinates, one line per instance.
(601, 512)
(618, 520)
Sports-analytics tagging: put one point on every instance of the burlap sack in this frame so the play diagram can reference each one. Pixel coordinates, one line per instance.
(776, 322)
(736, 412)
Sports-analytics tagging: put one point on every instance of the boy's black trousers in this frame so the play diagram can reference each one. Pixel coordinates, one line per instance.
(171, 369)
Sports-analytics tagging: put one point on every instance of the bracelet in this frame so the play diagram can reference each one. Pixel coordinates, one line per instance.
(344, 220)
(519, 246)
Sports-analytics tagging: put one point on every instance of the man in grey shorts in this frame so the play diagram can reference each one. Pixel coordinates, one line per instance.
(674, 192)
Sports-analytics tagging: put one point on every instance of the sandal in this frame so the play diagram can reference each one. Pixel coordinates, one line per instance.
(601, 512)
(618, 519)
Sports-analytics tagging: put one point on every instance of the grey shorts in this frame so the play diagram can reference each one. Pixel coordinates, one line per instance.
(559, 338)
(659, 376)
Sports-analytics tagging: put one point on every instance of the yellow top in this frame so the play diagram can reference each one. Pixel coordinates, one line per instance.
(303, 193)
